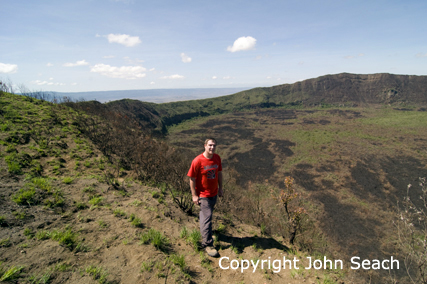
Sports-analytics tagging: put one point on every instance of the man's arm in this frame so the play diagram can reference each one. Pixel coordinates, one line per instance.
(220, 190)
(193, 190)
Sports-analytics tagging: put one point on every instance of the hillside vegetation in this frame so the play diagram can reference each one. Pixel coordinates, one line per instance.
(94, 192)
(74, 210)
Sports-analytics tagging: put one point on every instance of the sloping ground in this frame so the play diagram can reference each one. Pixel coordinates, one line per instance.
(65, 219)
(352, 166)
(108, 248)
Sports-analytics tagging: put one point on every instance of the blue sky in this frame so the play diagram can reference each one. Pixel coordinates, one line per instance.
(99, 45)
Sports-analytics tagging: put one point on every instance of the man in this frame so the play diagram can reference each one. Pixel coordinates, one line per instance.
(206, 183)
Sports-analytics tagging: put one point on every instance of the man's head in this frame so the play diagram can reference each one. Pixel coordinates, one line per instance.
(210, 146)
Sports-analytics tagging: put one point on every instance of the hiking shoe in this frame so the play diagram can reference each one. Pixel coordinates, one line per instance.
(211, 251)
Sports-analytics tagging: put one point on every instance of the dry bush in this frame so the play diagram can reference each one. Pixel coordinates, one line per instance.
(274, 211)
(412, 234)
(128, 146)
(295, 212)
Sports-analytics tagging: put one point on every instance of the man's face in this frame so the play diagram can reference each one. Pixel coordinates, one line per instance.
(210, 147)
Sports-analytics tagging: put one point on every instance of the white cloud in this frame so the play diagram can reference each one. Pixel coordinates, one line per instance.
(226, 78)
(152, 69)
(123, 72)
(49, 64)
(152, 83)
(214, 77)
(124, 39)
(419, 55)
(8, 68)
(185, 58)
(47, 83)
(108, 56)
(176, 76)
(242, 43)
(78, 63)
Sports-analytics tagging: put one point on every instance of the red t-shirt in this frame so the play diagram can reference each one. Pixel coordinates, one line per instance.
(205, 171)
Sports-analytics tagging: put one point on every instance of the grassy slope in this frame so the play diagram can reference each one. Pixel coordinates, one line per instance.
(62, 222)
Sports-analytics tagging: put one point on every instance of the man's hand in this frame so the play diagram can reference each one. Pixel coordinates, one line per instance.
(220, 192)
(196, 200)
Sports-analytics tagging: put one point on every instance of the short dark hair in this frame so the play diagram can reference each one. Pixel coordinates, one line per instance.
(210, 139)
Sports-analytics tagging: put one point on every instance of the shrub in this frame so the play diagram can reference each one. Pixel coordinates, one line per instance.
(412, 234)
(292, 204)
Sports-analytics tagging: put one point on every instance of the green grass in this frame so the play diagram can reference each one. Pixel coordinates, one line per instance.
(42, 183)
(62, 267)
(42, 235)
(19, 214)
(136, 222)
(14, 272)
(390, 118)
(5, 242)
(96, 200)
(183, 234)
(156, 238)
(195, 238)
(41, 279)
(147, 266)
(102, 224)
(66, 237)
(25, 197)
(3, 221)
(119, 213)
(28, 233)
(67, 180)
(80, 205)
(97, 273)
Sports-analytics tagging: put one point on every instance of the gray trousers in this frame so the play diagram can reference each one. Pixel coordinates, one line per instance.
(207, 205)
